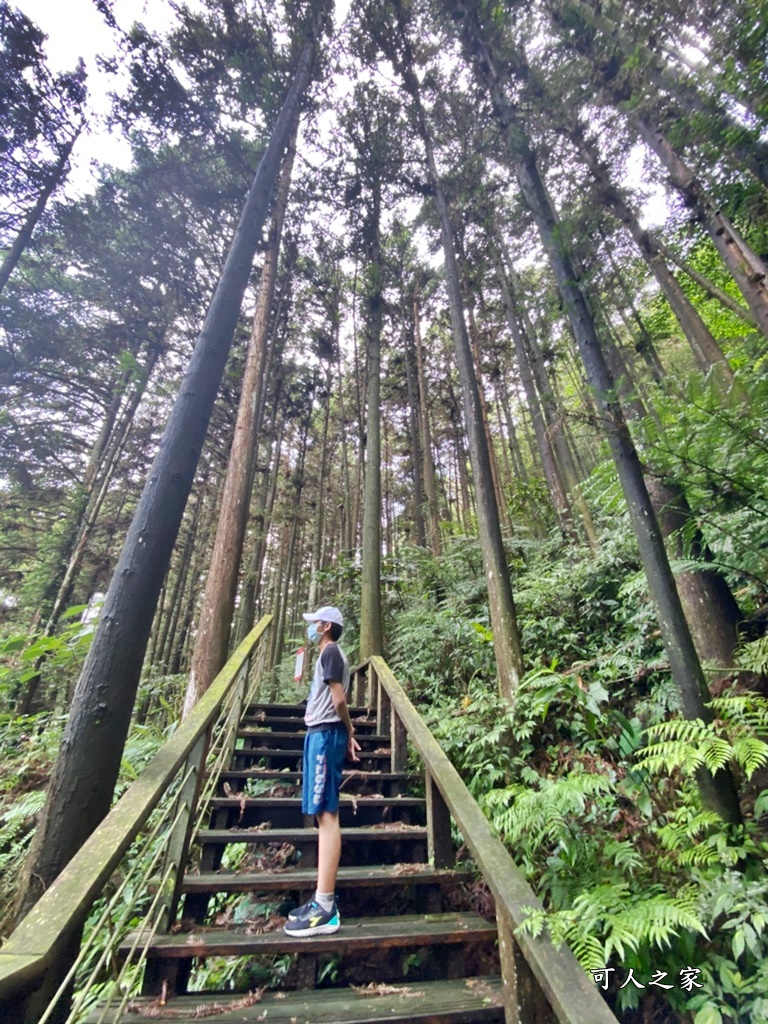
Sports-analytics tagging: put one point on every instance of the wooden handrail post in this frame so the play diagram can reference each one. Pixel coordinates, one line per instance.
(236, 713)
(383, 710)
(359, 683)
(370, 688)
(399, 742)
(439, 842)
(181, 836)
(523, 1000)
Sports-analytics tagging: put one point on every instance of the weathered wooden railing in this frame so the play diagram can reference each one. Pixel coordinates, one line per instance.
(106, 884)
(540, 981)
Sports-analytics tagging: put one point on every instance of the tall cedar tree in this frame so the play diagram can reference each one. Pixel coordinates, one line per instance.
(86, 769)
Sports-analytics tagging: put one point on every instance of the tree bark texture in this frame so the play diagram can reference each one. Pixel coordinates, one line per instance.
(506, 639)
(707, 352)
(218, 605)
(710, 608)
(87, 766)
(718, 792)
(371, 634)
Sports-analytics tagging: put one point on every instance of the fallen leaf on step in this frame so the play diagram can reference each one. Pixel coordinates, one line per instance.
(373, 989)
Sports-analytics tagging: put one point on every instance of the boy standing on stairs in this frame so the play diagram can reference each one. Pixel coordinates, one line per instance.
(330, 737)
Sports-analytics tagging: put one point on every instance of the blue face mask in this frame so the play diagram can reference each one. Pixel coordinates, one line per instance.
(312, 633)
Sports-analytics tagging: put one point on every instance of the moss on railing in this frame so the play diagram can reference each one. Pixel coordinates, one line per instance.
(562, 982)
(35, 944)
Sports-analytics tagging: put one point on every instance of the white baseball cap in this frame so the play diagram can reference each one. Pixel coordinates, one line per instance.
(325, 614)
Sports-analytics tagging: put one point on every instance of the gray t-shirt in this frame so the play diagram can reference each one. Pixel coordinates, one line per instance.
(332, 667)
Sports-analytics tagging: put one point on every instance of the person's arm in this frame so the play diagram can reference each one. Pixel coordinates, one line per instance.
(341, 709)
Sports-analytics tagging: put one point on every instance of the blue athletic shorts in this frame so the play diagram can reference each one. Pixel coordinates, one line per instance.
(324, 753)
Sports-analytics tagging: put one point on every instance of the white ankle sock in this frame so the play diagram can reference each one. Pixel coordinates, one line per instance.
(325, 899)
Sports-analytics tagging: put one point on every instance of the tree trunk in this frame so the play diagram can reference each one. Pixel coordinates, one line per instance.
(346, 538)
(417, 460)
(288, 562)
(514, 443)
(430, 484)
(747, 269)
(718, 792)
(265, 503)
(23, 238)
(86, 769)
(506, 640)
(708, 353)
(218, 605)
(324, 492)
(371, 636)
(710, 607)
(474, 344)
(546, 454)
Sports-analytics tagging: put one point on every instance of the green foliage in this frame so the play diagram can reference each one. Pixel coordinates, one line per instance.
(589, 777)
(734, 736)
(719, 451)
(55, 657)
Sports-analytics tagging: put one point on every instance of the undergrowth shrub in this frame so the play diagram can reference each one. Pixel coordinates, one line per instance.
(590, 778)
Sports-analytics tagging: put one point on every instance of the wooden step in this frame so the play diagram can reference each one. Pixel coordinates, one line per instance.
(290, 723)
(285, 811)
(253, 753)
(463, 1001)
(355, 935)
(304, 836)
(359, 846)
(292, 880)
(294, 740)
(350, 777)
(297, 710)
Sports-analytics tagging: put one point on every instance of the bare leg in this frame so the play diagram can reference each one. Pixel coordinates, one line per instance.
(328, 850)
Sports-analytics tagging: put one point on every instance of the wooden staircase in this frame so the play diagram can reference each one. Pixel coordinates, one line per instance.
(409, 948)
(173, 908)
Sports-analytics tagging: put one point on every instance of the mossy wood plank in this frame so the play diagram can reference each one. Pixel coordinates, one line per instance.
(348, 877)
(355, 934)
(299, 836)
(297, 710)
(254, 752)
(568, 989)
(66, 904)
(293, 802)
(275, 775)
(468, 1001)
(295, 737)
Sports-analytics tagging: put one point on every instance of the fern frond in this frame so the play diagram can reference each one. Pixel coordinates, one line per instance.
(623, 854)
(686, 829)
(588, 949)
(751, 753)
(680, 730)
(715, 752)
(655, 920)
